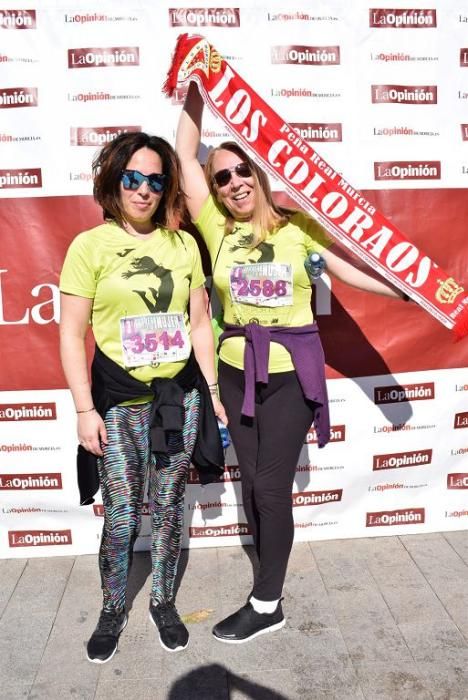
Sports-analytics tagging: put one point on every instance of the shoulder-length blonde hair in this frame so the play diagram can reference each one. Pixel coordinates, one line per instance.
(267, 216)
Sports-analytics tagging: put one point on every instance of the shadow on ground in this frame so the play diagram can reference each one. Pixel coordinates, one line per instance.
(216, 682)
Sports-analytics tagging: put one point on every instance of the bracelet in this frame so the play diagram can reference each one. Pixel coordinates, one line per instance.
(215, 384)
(87, 410)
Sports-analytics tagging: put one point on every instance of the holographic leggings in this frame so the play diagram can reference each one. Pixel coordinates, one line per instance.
(126, 463)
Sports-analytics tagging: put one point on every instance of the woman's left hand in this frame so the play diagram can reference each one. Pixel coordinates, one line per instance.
(219, 409)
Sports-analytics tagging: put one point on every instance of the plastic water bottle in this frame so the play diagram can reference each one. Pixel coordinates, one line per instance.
(224, 433)
(315, 265)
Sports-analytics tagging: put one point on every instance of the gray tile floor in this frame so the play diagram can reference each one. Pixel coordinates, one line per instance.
(382, 618)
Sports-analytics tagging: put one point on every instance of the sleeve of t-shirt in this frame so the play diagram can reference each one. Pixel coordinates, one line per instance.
(210, 223)
(317, 239)
(78, 276)
(198, 278)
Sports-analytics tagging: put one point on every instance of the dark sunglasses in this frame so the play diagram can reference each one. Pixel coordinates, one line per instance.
(223, 177)
(133, 179)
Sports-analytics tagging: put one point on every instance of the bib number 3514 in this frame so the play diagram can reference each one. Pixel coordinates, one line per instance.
(155, 338)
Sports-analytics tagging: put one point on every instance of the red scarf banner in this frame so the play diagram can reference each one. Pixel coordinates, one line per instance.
(314, 184)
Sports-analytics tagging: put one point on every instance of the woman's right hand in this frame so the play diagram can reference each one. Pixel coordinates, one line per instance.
(92, 432)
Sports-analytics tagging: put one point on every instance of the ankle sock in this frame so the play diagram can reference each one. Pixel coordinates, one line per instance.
(264, 606)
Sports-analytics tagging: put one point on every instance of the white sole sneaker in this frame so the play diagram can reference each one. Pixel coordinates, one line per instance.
(272, 628)
(104, 661)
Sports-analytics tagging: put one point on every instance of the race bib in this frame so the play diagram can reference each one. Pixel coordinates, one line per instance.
(262, 284)
(155, 338)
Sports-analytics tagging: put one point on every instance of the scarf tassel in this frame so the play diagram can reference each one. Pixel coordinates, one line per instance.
(178, 55)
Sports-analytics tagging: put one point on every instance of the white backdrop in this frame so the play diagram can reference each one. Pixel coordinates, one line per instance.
(381, 90)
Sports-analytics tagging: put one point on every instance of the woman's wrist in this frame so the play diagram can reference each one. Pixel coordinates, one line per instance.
(87, 410)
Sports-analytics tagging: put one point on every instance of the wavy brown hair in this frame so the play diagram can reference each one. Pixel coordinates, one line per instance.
(267, 216)
(107, 170)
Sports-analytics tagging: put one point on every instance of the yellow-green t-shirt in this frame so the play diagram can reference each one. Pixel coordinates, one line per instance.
(127, 276)
(290, 245)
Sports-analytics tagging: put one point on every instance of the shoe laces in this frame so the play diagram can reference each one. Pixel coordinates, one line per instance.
(109, 622)
(167, 614)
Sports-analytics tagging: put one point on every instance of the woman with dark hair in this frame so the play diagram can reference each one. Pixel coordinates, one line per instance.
(139, 281)
(271, 365)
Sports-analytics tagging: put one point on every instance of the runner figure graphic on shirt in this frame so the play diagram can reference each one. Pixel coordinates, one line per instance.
(162, 297)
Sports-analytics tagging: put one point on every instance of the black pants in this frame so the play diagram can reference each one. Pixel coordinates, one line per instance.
(268, 449)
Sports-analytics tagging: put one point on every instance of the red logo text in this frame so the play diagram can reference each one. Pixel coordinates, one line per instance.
(318, 132)
(457, 481)
(98, 135)
(17, 19)
(39, 538)
(306, 55)
(235, 529)
(30, 482)
(18, 97)
(27, 411)
(316, 498)
(204, 17)
(404, 94)
(337, 434)
(113, 56)
(397, 460)
(402, 19)
(461, 420)
(404, 516)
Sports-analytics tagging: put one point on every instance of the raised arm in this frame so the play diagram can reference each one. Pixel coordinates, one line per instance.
(187, 144)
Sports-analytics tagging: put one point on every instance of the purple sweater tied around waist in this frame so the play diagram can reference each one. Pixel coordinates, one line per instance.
(305, 348)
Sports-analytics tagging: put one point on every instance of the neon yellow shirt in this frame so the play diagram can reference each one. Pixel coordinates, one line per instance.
(127, 276)
(288, 246)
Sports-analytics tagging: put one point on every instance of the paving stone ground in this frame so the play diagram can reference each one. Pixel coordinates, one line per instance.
(375, 619)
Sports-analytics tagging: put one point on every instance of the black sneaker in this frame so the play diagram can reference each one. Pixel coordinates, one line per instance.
(102, 644)
(246, 624)
(173, 634)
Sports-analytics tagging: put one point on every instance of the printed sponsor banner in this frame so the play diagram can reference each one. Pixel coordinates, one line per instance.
(27, 412)
(337, 434)
(457, 481)
(225, 17)
(19, 178)
(15, 97)
(39, 538)
(18, 19)
(461, 420)
(28, 482)
(228, 530)
(318, 132)
(111, 57)
(306, 55)
(315, 498)
(407, 170)
(402, 19)
(98, 135)
(389, 518)
(397, 383)
(411, 392)
(412, 458)
(404, 94)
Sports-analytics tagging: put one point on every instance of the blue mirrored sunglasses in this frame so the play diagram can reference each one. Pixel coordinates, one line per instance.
(133, 179)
